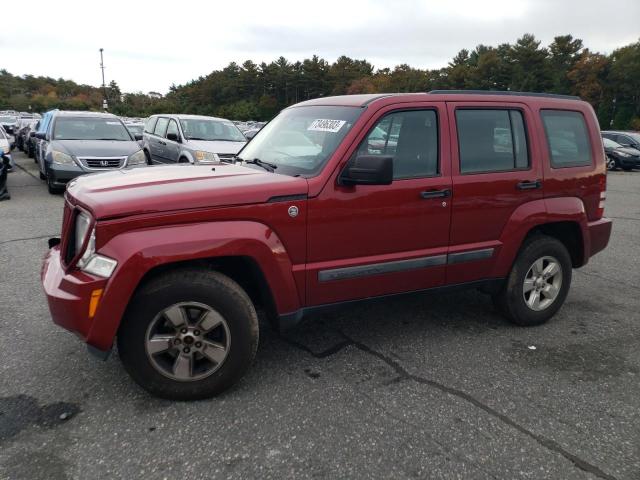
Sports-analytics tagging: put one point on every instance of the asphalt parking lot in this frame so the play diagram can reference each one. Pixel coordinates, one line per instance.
(437, 386)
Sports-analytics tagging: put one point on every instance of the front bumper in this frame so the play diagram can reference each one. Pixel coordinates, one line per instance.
(69, 296)
(63, 174)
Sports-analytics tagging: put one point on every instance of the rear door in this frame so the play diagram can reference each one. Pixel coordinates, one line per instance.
(157, 141)
(496, 169)
(370, 240)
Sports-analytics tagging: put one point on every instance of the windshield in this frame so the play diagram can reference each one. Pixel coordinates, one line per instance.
(90, 128)
(8, 119)
(610, 143)
(210, 130)
(301, 139)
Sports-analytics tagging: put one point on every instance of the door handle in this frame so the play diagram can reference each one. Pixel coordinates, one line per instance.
(529, 185)
(435, 194)
(162, 143)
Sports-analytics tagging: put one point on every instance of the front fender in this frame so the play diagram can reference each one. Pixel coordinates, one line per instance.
(534, 214)
(138, 251)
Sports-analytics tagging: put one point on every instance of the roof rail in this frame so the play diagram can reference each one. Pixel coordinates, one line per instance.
(504, 92)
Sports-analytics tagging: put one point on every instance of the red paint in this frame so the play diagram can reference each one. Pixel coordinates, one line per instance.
(151, 217)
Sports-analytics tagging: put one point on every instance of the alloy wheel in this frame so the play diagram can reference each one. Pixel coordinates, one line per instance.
(542, 283)
(187, 341)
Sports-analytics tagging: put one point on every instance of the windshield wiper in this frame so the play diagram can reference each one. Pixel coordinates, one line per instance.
(269, 167)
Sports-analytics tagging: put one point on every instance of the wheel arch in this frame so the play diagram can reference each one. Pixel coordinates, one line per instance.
(248, 252)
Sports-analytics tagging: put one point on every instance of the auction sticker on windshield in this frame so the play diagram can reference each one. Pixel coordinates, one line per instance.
(326, 125)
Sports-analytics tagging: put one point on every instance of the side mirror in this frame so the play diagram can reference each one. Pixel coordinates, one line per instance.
(32, 134)
(41, 135)
(138, 136)
(368, 170)
(174, 137)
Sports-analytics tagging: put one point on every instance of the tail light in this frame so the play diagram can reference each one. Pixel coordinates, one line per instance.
(602, 184)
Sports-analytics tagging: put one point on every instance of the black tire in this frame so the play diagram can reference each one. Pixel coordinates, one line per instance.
(183, 160)
(205, 287)
(148, 157)
(510, 300)
(42, 176)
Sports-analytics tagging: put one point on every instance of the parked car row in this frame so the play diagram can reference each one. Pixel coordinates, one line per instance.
(622, 149)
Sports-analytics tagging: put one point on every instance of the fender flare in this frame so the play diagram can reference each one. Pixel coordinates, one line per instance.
(139, 251)
(535, 214)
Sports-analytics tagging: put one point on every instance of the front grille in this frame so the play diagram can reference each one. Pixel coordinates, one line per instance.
(102, 163)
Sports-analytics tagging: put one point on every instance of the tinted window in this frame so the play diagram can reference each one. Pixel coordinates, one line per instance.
(411, 137)
(173, 128)
(211, 130)
(150, 125)
(624, 140)
(491, 140)
(567, 138)
(161, 126)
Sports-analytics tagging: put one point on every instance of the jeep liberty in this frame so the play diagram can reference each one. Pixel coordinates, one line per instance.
(336, 200)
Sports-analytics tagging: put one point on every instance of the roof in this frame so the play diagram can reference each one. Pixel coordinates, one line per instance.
(185, 116)
(72, 113)
(435, 95)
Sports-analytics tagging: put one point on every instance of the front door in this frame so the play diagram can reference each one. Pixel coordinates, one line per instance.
(172, 148)
(370, 240)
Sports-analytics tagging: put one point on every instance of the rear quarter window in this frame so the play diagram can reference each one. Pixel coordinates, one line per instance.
(567, 138)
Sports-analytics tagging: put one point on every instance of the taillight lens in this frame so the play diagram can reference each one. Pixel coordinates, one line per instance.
(603, 196)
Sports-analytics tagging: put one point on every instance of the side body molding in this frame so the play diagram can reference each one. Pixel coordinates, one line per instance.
(139, 251)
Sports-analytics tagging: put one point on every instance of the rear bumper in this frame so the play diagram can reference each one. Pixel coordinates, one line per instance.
(69, 296)
(599, 234)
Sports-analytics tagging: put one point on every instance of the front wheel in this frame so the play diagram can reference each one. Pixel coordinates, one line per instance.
(612, 164)
(189, 334)
(538, 283)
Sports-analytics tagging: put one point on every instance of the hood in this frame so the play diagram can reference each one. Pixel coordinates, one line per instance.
(216, 146)
(96, 148)
(133, 191)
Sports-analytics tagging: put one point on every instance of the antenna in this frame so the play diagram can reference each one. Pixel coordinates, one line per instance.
(105, 105)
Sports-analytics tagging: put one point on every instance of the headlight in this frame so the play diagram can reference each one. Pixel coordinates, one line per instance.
(61, 158)
(624, 154)
(83, 221)
(207, 157)
(137, 158)
(94, 263)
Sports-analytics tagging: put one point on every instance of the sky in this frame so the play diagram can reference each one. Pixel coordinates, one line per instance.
(149, 45)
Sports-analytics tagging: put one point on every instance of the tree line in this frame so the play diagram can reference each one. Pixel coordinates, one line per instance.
(611, 83)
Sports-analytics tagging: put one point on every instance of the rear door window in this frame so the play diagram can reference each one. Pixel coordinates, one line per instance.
(491, 140)
(150, 125)
(567, 138)
(161, 126)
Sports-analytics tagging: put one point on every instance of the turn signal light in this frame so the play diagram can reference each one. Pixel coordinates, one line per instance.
(93, 302)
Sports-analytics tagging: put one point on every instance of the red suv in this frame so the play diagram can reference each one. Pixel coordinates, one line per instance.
(335, 200)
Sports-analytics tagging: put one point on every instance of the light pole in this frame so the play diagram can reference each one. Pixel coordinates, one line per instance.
(105, 105)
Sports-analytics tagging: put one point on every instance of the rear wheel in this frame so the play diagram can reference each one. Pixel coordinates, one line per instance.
(188, 334)
(612, 164)
(538, 283)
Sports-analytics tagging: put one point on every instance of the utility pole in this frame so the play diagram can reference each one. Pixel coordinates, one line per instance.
(105, 105)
